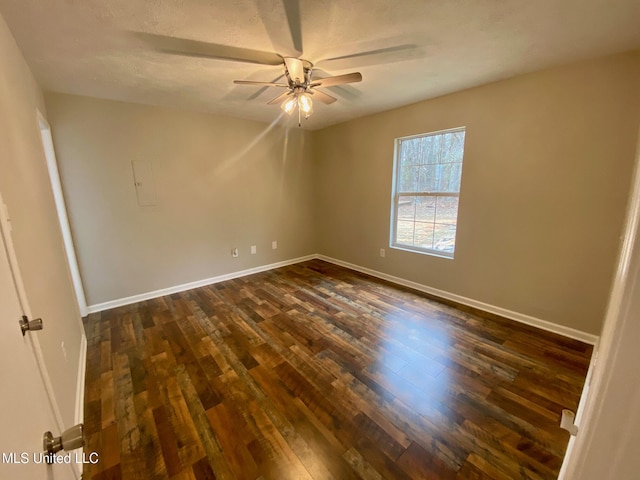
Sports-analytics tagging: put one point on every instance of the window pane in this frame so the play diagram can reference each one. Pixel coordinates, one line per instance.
(404, 232)
(448, 177)
(446, 211)
(409, 153)
(444, 238)
(428, 179)
(406, 208)
(425, 209)
(408, 178)
(435, 150)
(423, 235)
(452, 147)
(441, 177)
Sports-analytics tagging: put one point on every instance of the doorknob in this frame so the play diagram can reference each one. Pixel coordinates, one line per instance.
(27, 325)
(70, 439)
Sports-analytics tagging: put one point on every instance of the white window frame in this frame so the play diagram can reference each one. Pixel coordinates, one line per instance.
(396, 195)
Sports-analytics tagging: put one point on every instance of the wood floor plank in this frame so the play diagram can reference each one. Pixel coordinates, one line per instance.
(208, 439)
(231, 441)
(124, 407)
(419, 463)
(314, 371)
(168, 445)
(150, 447)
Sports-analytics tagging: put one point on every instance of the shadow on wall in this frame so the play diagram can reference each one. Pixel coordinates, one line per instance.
(231, 162)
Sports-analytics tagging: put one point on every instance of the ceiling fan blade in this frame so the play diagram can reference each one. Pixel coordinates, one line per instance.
(345, 91)
(397, 53)
(292, 10)
(378, 51)
(279, 98)
(266, 84)
(338, 79)
(295, 69)
(260, 91)
(195, 48)
(323, 97)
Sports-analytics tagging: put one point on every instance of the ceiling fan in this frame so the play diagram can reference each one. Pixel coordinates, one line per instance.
(300, 86)
(301, 89)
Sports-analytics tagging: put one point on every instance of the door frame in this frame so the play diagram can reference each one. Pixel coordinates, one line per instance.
(61, 208)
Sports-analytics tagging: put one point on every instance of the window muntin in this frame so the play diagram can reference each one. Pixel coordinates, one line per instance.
(427, 174)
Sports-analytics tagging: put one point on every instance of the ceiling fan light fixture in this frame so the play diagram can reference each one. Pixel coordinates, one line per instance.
(289, 104)
(302, 100)
(305, 104)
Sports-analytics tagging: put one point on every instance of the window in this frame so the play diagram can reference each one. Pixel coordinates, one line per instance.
(426, 188)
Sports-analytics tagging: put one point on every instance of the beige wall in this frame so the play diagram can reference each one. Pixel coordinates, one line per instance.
(545, 183)
(25, 188)
(220, 183)
(547, 166)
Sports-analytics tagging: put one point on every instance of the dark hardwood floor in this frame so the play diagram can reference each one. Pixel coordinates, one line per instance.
(316, 371)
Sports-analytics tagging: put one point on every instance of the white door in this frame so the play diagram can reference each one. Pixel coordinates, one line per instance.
(25, 409)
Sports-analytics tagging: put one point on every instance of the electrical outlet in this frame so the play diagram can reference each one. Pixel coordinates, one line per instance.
(253, 250)
(64, 350)
(234, 252)
(383, 252)
(274, 245)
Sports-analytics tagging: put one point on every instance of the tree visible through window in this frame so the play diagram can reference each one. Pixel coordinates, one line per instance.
(428, 169)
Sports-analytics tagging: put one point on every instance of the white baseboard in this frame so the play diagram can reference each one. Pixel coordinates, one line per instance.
(99, 307)
(503, 312)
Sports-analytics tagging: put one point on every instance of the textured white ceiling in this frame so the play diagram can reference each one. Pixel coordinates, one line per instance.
(90, 47)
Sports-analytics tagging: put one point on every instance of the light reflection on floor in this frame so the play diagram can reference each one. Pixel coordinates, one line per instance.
(417, 377)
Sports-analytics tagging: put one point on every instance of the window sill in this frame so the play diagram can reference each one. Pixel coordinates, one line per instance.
(431, 253)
